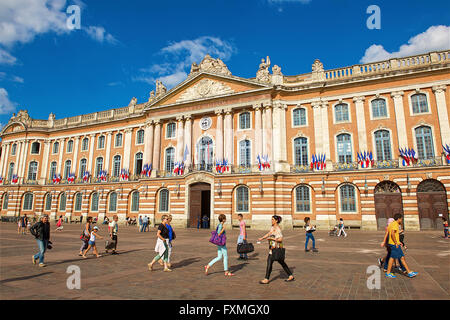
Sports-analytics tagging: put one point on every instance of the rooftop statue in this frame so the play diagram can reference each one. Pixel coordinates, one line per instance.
(211, 65)
(263, 74)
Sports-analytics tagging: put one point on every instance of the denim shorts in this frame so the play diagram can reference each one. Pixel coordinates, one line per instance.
(396, 253)
(92, 243)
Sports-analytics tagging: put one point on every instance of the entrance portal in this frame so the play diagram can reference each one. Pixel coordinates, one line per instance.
(432, 203)
(388, 202)
(200, 205)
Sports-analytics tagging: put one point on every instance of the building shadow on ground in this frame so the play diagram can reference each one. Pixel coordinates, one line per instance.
(24, 278)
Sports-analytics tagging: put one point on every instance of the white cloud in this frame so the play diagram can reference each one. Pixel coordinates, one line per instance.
(18, 79)
(180, 55)
(99, 34)
(6, 105)
(435, 38)
(6, 58)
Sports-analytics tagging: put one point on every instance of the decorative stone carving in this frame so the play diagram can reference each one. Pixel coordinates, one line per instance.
(160, 88)
(277, 77)
(205, 88)
(318, 74)
(263, 74)
(22, 116)
(152, 96)
(211, 65)
(317, 66)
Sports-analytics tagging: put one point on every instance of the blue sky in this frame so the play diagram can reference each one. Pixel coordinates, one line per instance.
(123, 46)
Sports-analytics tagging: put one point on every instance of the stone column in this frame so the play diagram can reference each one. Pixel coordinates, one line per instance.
(19, 157)
(361, 123)
(318, 133)
(228, 132)
(180, 139)
(148, 142)
(4, 167)
(279, 137)
(188, 139)
(439, 92)
(326, 135)
(108, 151)
(90, 162)
(60, 157)
(23, 170)
(127, 149)
(2, 160)
(44, 165)
(268, 137)
(400, 119)
(75, 157)
(219, 135)
(258, 133)
(157, 146)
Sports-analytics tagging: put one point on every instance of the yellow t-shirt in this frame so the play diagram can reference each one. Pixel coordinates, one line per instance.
(394, 230)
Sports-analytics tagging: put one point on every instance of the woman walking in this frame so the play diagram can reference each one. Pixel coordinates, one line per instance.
(91, 243)
(161, 245)
(275, 238)
(309, 230)
(59, 226)
(169, 241)
(86, 235)
(221, 250)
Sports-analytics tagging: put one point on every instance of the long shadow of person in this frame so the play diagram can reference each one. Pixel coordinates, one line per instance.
(185, 262)
(282, 274)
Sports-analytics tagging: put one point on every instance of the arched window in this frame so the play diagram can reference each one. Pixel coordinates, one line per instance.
(299, 116)
(170, 159)
(344, 148)
(94, 201)
(78, 201)
(205, 152)
(85, 144)
(348, 198)
(140, 137)
(138, 163)
(341, 112)
(98, 166)
(14, 149)
(28, 201)
(379, 108)
(245, 153)
(83, 163)
(52, 169)
(171, 130)
(35, 147)
(32, 171)
(118, 140)
(244, 120)
(383, 145)
(10, 171)
(242, 199)
(112, 202)
(69, 146)
(301, 151)
(101, 142)
(135, 201)
(164, 200)
(62, 202)
(116, 165)
(48, 201)
(55, 147)
(5, 200)
(302, 199)
(419, 103)
(424, 140)
(67, 167)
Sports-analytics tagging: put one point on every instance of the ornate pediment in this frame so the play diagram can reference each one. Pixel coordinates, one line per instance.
(203, 89)
(211, 65)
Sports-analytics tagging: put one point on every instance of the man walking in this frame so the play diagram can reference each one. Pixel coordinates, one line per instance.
(41, 231)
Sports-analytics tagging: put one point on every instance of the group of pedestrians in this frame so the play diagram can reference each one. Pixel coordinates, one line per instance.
(23, 225)
(165, 236)
(144, 224)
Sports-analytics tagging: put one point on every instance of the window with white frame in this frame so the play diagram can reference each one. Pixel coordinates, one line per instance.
(301, 151)
(170, 159)
(5, 201)
(67, 167)
(98, 166)
(164, 200)
(348, 198)
(424, 141)
(419, 103)
(135, 201)
(48, 202)
(35, 147)
(101, 142)
(138, 159)
(62, 202)
(85, 144)
(112, 202)
(94, 201)
(171, 129)
(383, 145)
(32, 171)
(299, 116)
(69, 146)
(28, 201)
(14, 149)
(244, 120)
(140, 136)
(341, 112)
(118, 140)
(245, 153)
(379, 109)
(10, 171)
(83, 164)
(52, 169)
(55, 147)
(116, 165)
(78, 201)
(242, 199)
(302, 199)
(344, 148)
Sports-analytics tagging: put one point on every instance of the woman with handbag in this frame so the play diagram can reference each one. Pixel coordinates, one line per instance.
(86, 235)
(221, 249)
(162, 247)
(276, 250)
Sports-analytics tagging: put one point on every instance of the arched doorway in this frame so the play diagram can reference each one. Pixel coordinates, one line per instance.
(432, 203)
(388, 202)
(199, 204)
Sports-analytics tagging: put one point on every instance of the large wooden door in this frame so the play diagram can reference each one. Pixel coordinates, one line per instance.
(432, 203)
(199, 203)
(388, 202)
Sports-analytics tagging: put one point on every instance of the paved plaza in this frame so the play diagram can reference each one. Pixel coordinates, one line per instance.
(337, 272)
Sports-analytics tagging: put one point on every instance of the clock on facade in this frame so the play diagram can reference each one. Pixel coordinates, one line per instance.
(205, 123)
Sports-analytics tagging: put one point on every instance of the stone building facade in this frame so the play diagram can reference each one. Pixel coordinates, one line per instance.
(214, 117)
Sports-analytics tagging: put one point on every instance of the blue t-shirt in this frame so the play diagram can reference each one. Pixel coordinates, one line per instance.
(170, 231)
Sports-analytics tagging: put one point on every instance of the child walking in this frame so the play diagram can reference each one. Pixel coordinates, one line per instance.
(309, 230)
(221, 250)
(91, 243)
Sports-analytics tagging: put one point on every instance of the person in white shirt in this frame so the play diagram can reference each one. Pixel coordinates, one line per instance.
(341, 228)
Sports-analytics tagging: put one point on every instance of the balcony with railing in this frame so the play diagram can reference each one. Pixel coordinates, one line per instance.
(337, 166)
(300, 169)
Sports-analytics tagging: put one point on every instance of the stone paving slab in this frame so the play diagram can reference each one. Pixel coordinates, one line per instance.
(337, 272)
